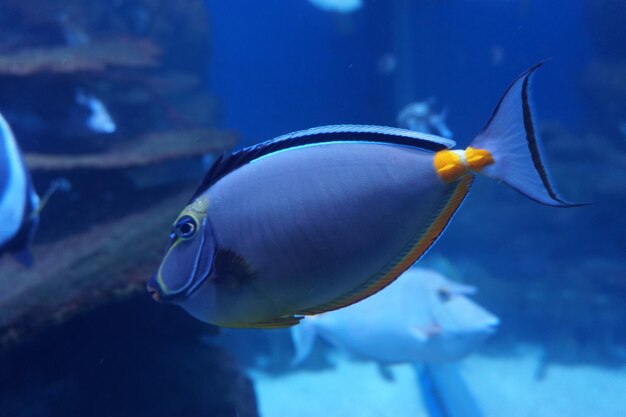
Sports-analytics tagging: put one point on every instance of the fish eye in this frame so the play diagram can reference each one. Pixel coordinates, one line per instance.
(186, 227)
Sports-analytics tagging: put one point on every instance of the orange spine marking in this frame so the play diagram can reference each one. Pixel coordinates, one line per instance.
(477, 159)
(450, 166)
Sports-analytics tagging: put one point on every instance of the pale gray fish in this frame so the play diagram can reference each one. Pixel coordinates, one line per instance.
(420, 317)
(338, 6)
(421, 117)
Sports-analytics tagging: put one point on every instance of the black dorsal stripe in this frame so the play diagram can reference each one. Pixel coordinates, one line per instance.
(526, 74)
(339, 133)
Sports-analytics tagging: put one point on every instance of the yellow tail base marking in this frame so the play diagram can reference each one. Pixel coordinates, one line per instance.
(477, 159)
(451, 165)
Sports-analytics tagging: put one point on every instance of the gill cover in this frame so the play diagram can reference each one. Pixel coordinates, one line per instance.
(188, 261)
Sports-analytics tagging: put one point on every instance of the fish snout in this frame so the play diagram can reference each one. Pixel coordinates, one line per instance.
(154, 289)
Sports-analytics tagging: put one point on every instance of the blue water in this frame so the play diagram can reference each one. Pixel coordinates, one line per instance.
(71, 344)
(306, 70)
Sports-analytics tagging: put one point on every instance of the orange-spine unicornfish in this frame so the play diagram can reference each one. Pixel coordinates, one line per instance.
(322, 218)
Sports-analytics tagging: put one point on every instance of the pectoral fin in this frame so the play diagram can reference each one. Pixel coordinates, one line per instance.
(423, 333)
(386, 372)
(231, 269)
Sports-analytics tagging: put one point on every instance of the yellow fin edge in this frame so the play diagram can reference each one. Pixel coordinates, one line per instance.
(278, 323)
(385, 278)
(477, 159)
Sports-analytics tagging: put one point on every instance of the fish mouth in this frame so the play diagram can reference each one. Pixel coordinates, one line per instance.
(184, 268)
(154, 289)
(156, 292)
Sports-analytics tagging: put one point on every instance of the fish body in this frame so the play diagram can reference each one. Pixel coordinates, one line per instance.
(99, 119)
(338, 6)
(294, 221)
(256, 216)
(421, 117)
(19, 201)
(320, 219)
(421, 317)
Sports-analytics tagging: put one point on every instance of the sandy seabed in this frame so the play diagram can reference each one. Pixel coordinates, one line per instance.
(502, 386)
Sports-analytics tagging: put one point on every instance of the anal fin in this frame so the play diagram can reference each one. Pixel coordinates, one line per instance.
(278, 323)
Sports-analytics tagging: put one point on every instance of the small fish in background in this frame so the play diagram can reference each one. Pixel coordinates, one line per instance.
(19, 202)
(20, 206)
(338, 6)
(420, 317)
(320, 219)
(423, 319)
(622, 129)
(421, 117)
(72, 33)
(99, 120)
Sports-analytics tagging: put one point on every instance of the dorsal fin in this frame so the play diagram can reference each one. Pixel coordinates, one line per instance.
(337, 133)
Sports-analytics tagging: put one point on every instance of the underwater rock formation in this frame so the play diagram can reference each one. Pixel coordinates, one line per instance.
(151, 149)
(109, 95)
(95, 56)
(81, 272)
(79, 333)
(127, 359)
(141, 61)
(180, 29)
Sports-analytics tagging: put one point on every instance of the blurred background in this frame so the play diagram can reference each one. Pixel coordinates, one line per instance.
(131, 100)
